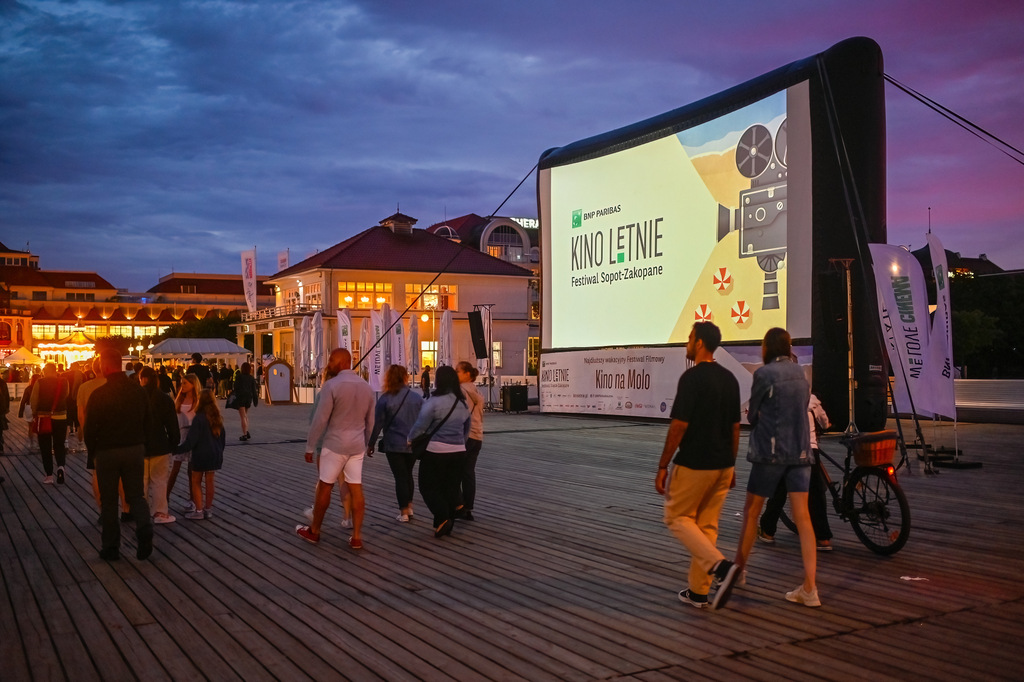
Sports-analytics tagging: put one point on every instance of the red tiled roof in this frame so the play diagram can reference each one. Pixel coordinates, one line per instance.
(14, 275)
(210, 286)
(378, 248)
(117, 316)
(166, 316)
(142, 315)
(68, 315)
(60, 279)
(42, 314)
(188, 316)
(93, 315)
(211, 314)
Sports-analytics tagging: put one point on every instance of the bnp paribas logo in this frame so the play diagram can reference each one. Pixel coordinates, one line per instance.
(577, 218)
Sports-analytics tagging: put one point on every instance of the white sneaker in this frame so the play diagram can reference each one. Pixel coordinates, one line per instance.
(402, 518)
(48, 480)
(346, 523)
(799, 596)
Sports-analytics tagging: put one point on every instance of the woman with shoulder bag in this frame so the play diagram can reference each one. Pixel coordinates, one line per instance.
(445, 417)
(49, 403)
(396, 412)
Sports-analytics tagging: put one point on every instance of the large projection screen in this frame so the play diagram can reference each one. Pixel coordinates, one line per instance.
(693, 225)
(734, 209)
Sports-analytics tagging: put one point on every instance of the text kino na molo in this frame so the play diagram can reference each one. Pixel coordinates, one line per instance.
(632, 379)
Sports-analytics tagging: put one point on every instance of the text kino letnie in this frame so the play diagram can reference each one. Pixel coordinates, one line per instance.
(622, 244)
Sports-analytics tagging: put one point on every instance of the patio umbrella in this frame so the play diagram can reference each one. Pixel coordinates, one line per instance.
(364, 343)
(302, 349)
(22, 356)
(344, 330)
(414, 346)
(398, 354)
(317, 344)
(444, 342)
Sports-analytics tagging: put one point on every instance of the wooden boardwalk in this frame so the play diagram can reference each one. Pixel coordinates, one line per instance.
(567, 574)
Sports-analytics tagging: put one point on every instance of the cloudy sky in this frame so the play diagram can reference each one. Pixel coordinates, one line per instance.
(145, 137)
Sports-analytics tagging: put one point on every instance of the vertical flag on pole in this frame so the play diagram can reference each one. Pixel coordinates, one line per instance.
(940, 366)
(282, 260)
(903, 311)
(249, 278)
(375, 362)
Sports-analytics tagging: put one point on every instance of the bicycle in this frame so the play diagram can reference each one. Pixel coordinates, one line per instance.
(868, 496)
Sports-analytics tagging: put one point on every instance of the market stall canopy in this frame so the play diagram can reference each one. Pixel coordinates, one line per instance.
(22, 356)
(220, 349)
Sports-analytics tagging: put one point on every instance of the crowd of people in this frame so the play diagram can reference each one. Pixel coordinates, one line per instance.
(702, 444)
(137, 439)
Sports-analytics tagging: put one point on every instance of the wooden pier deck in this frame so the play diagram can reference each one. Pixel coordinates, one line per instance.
(567, 574)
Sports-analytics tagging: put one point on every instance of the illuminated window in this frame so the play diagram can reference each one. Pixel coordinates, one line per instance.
(145, 331)
(65, 330)
(44, 331)
(364, 295)
(505, 243)
(532, 354)
(496, 354)
(121, 330)
(435, 297)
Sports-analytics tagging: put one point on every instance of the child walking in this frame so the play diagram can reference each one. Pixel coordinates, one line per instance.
(206, 441)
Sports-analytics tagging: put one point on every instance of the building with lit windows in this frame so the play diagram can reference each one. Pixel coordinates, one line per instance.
(396, 264)
(513, 240)
(59, 315)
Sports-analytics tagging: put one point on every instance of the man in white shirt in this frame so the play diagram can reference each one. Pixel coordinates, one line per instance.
(344, 417)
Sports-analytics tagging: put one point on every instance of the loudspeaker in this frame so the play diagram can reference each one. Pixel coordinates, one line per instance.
(476, 332)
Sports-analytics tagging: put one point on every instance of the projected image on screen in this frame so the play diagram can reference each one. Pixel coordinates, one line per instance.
(689, 227)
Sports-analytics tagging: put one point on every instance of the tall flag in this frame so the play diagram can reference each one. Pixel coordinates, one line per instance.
(282, 260)
(903, 312)
(940, 368)
(375, 361)
(398, 352)
(249, 278)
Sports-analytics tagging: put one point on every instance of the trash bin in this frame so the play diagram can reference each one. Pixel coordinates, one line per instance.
(513, 398)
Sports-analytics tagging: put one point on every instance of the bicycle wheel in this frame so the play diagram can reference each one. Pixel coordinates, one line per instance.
(878, 510)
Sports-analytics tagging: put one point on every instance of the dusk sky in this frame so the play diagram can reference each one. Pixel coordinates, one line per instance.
(140, 138)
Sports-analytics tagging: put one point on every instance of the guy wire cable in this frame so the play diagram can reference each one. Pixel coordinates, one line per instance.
(959, 120)
(458, 252)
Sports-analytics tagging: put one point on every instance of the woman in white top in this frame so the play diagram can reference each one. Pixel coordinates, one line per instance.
(467, 494)
(185, 406)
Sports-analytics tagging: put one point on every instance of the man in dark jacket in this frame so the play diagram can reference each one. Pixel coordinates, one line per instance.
(201, 371)
(116, 423)
(163, 436)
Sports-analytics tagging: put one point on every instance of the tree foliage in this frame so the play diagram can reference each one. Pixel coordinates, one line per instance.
(988, 330)
(213, 328)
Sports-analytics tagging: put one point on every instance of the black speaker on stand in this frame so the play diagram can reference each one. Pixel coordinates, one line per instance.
(477, 334)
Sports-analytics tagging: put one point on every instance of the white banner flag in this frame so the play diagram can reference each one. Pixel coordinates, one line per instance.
(903, 312)
(940, 356)
(249, 278)
(375, 362)
(282, 260)
(344, 330)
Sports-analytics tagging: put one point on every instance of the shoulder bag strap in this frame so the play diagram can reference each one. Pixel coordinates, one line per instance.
(391, 419)
(438, 427)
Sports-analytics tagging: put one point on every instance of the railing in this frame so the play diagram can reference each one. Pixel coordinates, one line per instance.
(282, 311)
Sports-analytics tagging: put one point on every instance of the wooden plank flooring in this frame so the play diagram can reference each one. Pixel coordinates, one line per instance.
(567, 574)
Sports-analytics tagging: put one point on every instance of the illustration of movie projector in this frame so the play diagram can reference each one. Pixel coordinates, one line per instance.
(761, 216)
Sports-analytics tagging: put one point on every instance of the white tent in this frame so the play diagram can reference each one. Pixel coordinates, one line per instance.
(219, 349)
(22, 356)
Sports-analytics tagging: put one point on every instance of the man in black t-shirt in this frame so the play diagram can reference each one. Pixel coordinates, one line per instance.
(703, 437)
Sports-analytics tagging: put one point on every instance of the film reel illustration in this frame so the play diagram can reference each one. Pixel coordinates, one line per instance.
(761, 217)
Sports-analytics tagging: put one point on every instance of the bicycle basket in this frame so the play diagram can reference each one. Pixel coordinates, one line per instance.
(873, 449)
